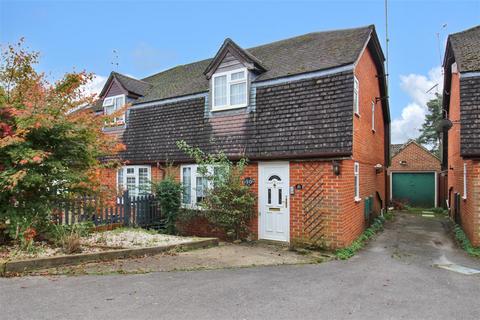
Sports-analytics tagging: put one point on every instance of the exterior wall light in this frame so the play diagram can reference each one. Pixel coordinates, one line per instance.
(336, 168)
(378, 168)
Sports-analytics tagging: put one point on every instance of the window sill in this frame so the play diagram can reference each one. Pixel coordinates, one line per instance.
(215, 109)
(357, 199)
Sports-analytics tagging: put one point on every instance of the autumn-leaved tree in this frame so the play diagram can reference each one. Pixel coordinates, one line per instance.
(50, 145)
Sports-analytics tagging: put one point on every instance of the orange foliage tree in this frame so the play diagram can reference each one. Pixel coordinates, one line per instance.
(51, 144)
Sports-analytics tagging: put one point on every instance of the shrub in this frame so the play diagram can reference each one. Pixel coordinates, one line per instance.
(68, 236)
(228, 204)
(169, 192)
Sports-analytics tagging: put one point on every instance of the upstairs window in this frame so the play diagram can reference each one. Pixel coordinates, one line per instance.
(229, 89)
(356, 102)
(112, 104)
(135, 179)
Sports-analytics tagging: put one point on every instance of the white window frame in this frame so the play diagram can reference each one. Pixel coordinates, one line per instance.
(229, 83)
(373, 116)
(110, 101)
(193, 184)
(356, 174)
(356, 96)
(122, 185)
(464, 180)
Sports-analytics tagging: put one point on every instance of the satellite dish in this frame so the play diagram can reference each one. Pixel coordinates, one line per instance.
(444, 125)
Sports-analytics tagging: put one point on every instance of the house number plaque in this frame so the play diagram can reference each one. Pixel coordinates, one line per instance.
(248, 181)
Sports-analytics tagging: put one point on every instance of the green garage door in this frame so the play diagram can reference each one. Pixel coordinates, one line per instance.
(414, 189)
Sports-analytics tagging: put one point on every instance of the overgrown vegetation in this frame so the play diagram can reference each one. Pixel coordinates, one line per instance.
(47, 152)
(465, 243)
(68, 236)
(228, 203)
(169, 194)
(359, 243)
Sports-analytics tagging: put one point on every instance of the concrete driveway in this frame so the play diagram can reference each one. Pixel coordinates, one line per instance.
(393, 278)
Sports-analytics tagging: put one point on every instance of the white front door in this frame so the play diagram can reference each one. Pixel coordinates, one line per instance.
(274, 201)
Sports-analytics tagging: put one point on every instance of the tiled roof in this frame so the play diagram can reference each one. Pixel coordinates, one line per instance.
(466, 49)
(395, 148)
(302, 54)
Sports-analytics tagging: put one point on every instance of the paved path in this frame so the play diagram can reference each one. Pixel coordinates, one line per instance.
(392, 279)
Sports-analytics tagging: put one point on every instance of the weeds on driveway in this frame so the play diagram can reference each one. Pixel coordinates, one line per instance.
(465, 244)
(360, 242)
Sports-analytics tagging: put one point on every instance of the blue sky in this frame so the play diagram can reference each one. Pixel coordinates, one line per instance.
(151, 36)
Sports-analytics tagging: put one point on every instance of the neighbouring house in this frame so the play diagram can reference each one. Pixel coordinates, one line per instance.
(415, 176)
(461, 105)
(310, 113)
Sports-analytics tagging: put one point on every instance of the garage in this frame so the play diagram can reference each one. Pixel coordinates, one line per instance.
(417, 189)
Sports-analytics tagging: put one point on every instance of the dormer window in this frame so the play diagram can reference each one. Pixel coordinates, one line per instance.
(112, 104)
(229, 90)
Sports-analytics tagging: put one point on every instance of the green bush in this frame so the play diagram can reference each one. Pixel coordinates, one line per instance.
(228, 204)
(169, 193)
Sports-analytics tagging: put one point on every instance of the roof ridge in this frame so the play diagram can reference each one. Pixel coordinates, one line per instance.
(132, 78)
(466, 30)
(370, 26)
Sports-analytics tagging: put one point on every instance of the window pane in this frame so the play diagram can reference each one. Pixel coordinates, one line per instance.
(187, 186)
(119, 102)
(131, 186)
(130, 170)
(120, 180)
(269, 196)
(238, 75)
(202, 184)
(143, 181)
(108, 102)
(109, 109)
(280, 198)
(238, 94)
(220, 85)
(220, 173)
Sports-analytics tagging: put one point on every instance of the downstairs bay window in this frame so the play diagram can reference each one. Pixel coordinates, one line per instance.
(135, 179)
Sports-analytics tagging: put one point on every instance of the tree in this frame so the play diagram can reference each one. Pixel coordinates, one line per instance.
(48, 151)
(428, 132)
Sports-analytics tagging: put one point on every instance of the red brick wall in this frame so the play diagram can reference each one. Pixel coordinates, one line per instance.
(368, 151)
(469, 207)
(417, 158)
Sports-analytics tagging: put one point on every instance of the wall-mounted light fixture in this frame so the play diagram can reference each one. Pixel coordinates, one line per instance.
(403, 162)
(336, 168)
(378, 168)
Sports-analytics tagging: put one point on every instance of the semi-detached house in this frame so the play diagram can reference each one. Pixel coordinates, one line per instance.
(310, 113)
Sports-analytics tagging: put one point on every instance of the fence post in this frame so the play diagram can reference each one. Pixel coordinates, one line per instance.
(126, 208)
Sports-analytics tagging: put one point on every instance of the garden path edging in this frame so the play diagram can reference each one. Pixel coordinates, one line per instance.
(50, 262)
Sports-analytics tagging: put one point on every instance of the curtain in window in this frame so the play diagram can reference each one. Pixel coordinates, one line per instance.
(220, 84)
(238, 94)
(187, 185)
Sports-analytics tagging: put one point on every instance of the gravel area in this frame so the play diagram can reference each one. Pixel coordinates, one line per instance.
(40, 250)
(132, 238)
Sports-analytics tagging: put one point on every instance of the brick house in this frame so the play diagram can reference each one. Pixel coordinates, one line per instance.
(415, 176)
(310, 113)
(461, 104)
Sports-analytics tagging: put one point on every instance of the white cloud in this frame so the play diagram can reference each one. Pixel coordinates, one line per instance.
(95, 85)
(416, 86)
